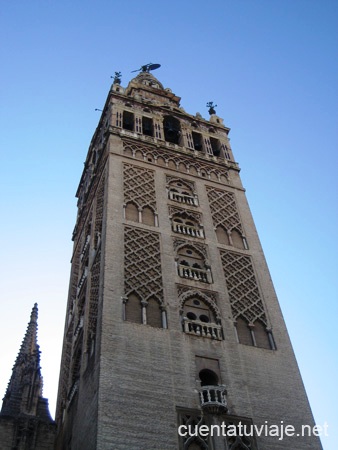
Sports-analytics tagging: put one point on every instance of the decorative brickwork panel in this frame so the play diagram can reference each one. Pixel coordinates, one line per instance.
(224, 209)
(139, 186)
(173, 210)
(199, 248)
(191, 420)
(99, 211)
(242, 286)
(93, 300)
(185, 164)
(142, 264)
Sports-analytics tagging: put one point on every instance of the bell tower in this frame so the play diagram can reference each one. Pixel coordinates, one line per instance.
(172, 320)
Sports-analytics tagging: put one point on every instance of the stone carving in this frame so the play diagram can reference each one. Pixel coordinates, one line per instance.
(224, 209)
(93, 300)
(185, 164)
(190, 420)
(174, 211)
(99, 212)
(139, 186)
(210, 298)
(142, 264)
(242, 287)
(199, 248)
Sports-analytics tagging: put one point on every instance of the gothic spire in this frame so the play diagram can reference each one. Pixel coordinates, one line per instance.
(24, 391)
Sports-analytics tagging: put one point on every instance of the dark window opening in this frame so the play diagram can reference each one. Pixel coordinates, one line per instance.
(172, 129)
(197, 139)
(128, 120)
(204, 318)
(216, 147)
(191, 316)
(147, 126)
(208, 378)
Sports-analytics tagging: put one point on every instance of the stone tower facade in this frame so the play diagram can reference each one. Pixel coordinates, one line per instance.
(172, 319)
(25, 422)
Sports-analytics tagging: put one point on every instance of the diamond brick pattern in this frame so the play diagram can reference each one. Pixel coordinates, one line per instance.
(142, 264)
(242, 286)
(139, 186)
(224, 209)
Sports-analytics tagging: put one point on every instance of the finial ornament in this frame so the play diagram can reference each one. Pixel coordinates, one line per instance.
(117, 78)
(147, 67)
(211, 107)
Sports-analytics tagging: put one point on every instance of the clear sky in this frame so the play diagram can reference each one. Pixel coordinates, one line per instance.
(271, 66)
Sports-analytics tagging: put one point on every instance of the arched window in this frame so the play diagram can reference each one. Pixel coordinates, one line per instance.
(172, 129)
(153, 314)
(208, 377)
(148, 216)
(199, 319)
(261, 335)
(147, 312)
(181, 192)
(184, 224)
(132, 212)
(222, 235)
(133, 309)
(191, 265)
(237, 239)
(243, 331)
(256, 335)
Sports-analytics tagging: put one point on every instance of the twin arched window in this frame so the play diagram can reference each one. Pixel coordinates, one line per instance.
(192, 265)
(183, 223)
(144, 215)
(182, 193)
(255, 334)
(143, 312)
(199, 319)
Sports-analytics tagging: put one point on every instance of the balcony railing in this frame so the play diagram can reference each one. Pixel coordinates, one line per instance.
(72, 392)
(78, 327)
(192, 273)
(187, 229)
(198, 328)
(183, 198)
(213, 399)
(82, 279)
(85, 249)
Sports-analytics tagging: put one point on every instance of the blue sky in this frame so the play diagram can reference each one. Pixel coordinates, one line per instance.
(271, 66)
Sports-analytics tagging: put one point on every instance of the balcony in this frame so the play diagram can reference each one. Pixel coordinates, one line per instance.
(73, 391)
(188, 230)
(85, 249)
(192, 273)
(78, 327)
(183, 198)
(213, 399)
(203, 329)
(82, 280)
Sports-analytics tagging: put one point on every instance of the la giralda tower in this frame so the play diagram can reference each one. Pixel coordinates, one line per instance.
(172, 321)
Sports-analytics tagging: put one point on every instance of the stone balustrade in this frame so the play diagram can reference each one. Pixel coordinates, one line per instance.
(82, 279)
(192, 273)
(85, 249)
(188, 230)
(198, 328)
(183, 198)
(213, 399)
(73, 390)
(78, 327)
